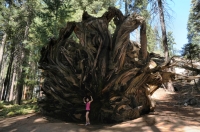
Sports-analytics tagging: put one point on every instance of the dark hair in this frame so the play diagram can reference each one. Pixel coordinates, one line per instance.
(87, 97)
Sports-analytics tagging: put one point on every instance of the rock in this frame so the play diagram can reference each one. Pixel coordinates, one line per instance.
(78, 116)
(193, 101)
(150, 120)
(190, 101)
(185, 104)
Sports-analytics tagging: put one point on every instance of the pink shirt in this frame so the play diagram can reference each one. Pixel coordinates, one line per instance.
(87, 106)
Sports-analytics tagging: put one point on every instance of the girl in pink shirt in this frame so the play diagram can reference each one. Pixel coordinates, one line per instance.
(87, 102)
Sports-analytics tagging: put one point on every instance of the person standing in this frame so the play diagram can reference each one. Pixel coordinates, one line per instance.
(87, 102)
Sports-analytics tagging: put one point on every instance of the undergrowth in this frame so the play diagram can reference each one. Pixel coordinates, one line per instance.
(8, 109)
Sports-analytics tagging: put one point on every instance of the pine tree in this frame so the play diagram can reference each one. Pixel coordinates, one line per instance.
(17, 23)
(194, 23)
(171, 43)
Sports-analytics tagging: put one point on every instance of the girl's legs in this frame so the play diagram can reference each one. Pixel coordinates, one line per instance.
(87, 117)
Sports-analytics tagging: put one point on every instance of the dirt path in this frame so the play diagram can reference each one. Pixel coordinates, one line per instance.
(170, 116)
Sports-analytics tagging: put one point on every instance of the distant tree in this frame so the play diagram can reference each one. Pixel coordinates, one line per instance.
(171, 44)
(193, 25)
(163, 28)
(95, 8)
(140, 6)
(17, 17)
(8, 27)
(56, 14)
(151, 39)
(158, 7)
(192, 53)
(191, 50)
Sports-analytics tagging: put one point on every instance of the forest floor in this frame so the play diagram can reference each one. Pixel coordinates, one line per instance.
(175, 112)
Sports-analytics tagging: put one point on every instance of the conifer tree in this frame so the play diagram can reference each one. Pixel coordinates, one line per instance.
(194, 23)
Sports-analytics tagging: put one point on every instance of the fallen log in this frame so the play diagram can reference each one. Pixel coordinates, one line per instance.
(87, 60)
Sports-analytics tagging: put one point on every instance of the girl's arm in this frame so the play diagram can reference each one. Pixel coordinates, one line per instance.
(91, 99)
(84, 100)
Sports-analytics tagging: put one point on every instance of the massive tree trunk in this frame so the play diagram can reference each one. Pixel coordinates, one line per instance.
(96, 63)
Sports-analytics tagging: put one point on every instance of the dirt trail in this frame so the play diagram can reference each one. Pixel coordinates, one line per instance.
(170, 116)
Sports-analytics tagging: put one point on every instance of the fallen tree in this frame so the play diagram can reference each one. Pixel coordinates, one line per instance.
(87, 60)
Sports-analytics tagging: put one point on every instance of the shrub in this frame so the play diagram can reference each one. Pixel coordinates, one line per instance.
(1, 105)
(13, 110)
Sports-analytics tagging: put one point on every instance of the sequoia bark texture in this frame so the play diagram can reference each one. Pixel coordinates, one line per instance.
(87, 60)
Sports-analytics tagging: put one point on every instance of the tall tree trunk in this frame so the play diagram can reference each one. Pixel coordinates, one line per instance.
(9, 85)
(8, 74)
(163, 28)
(31, 90)
(169, 85)
(143, 41)
(1, 63)
(12, 86)
(24, 95)
(2, 50)
(2, 78)
(21, 63)
(126, 7)
(19, 88)
(20, 74)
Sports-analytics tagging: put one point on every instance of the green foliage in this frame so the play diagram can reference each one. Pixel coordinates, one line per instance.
(139, 6)
(191, 51)
(193, 24)
(1, 105)
(171, 43)
(52, 16)
(151, 39)
(30, 24)
(27, 107)
(93, 7)
(111, 27)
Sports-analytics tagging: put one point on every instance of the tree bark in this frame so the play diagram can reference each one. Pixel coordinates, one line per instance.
(11, 97)
(143, 41)
(1, 63)
(106, 66)
(163, 28)
(169, 85)
(22, 61)
(8, 74)
(2, 50)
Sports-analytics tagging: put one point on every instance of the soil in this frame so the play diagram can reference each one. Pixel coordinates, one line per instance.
(175, 112)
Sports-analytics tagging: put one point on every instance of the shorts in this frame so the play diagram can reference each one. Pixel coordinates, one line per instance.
(87, 110)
